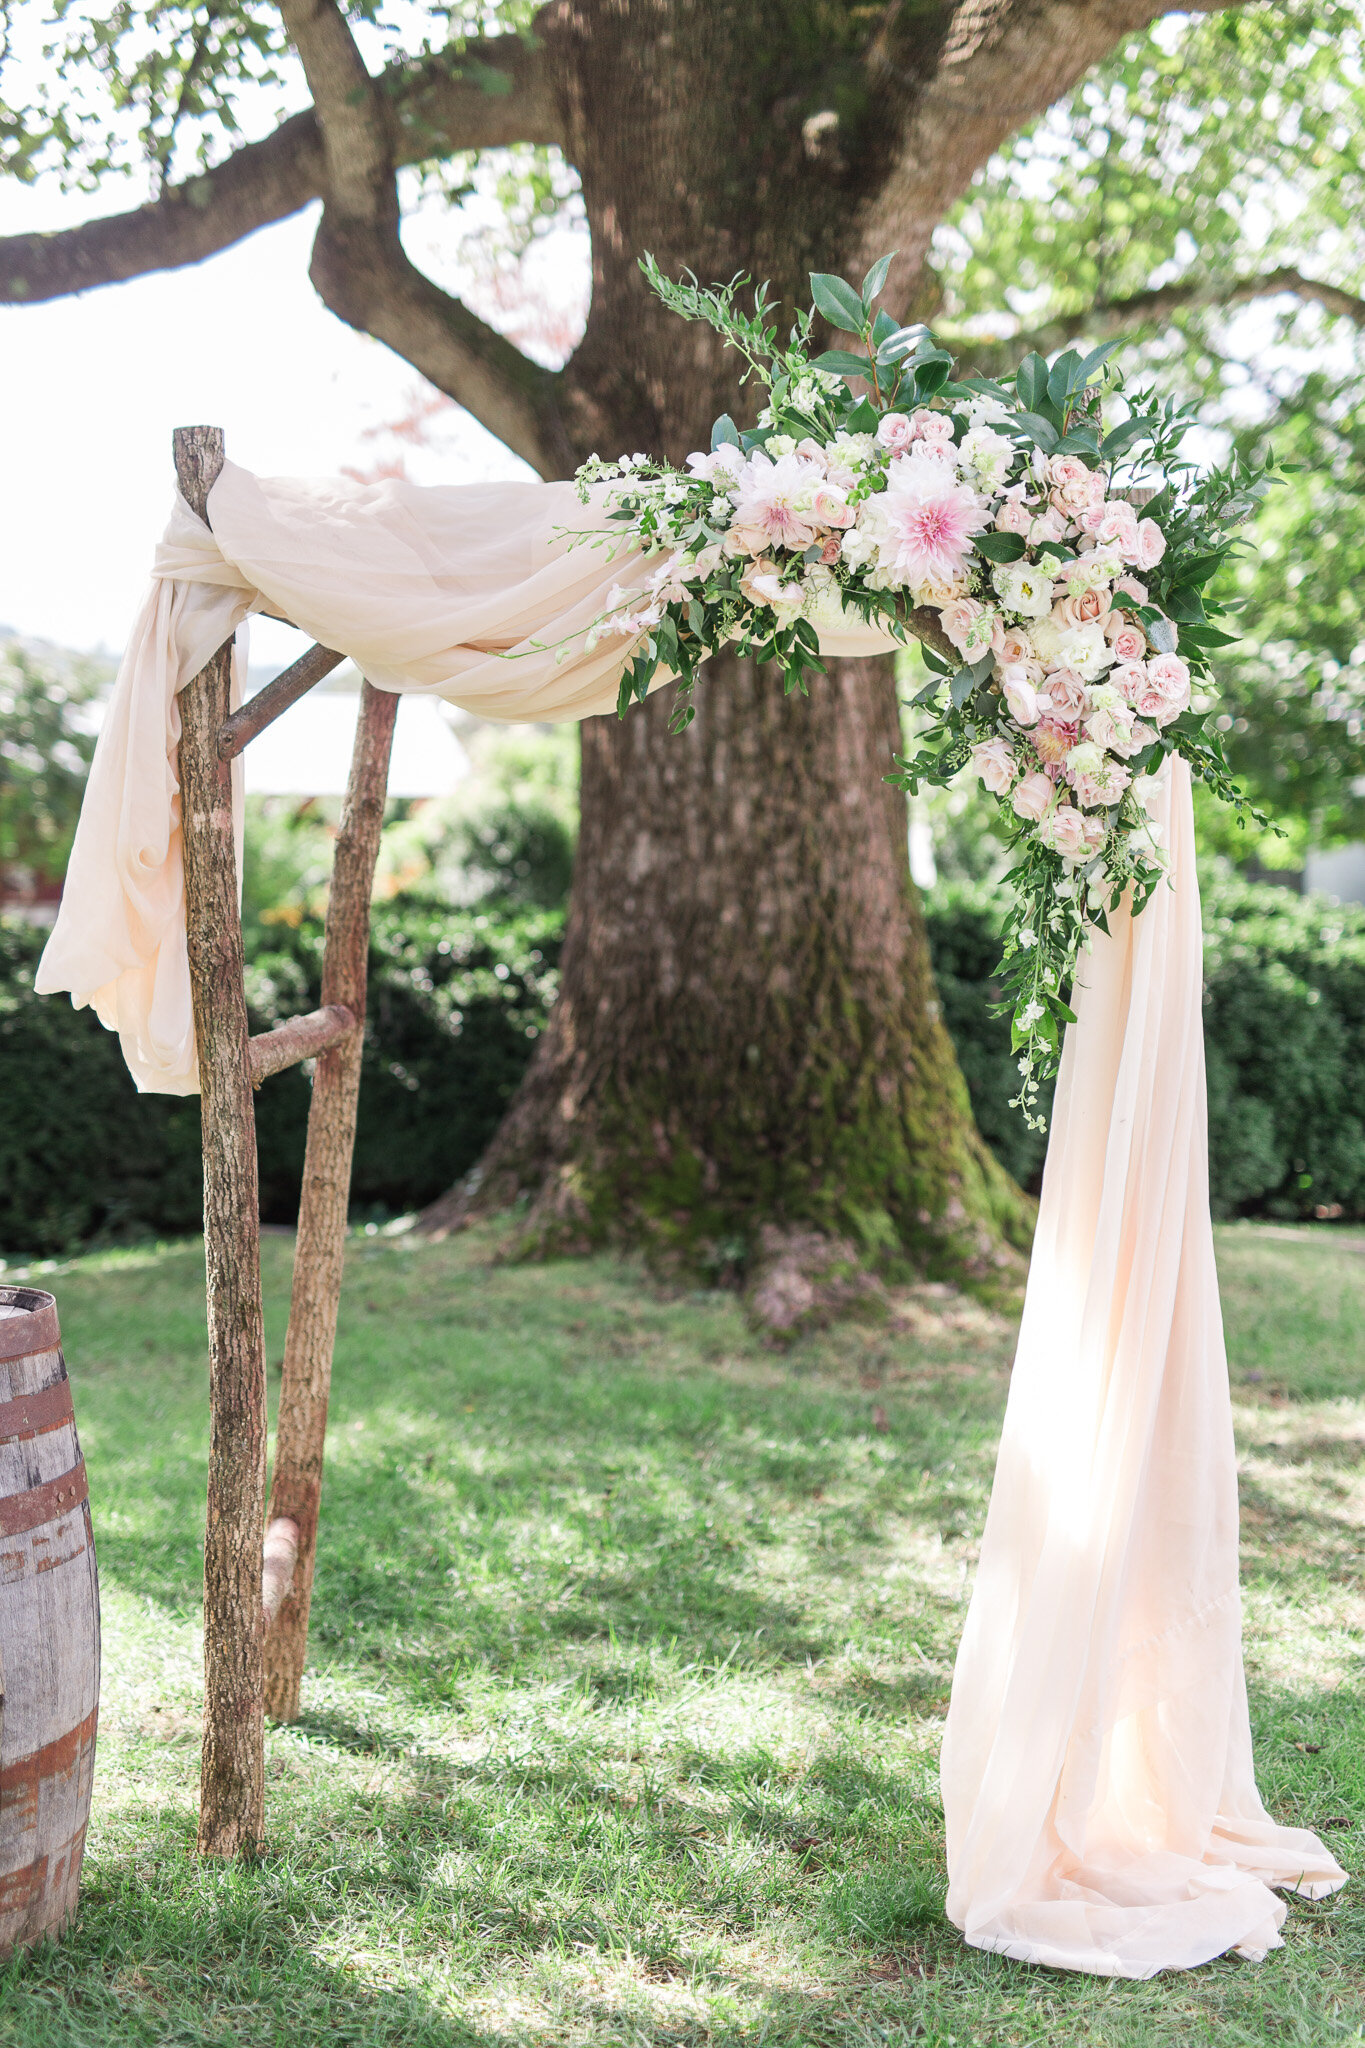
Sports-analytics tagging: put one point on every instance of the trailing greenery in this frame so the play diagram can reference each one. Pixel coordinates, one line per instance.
(1284, 1026)
(631, 1644)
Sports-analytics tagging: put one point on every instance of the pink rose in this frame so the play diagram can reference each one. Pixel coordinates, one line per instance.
(1095, 832)
(1150, 544)
(1128, 586)
(1049, 525)
(994, 762)
(1082, 610)
(1104, 787)
(831, 551)
(1111, 729)
(958, 618)
(1013, 517)
(1168, 679)
(1073, 487)
(1015, 645)
(1066, 469)
(1065, 693)
(1117, 523)
(1033, 797)
(1065, 832)
(932, 426)
(1021, 697)
(1130, 680)
(829, 506)
(895, 431)
(1128, 641)
(811, 451)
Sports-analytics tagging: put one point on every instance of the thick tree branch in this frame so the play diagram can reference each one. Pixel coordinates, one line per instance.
(1108, 317)
(362, 272)
(1002, 63)
(494, 93)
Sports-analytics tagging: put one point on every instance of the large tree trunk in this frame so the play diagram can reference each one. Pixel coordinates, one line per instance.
(747, 1032)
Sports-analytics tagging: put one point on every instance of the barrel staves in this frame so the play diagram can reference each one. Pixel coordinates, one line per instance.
(49, 1628)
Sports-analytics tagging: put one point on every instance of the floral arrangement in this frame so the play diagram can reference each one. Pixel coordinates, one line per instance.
(1054, 569)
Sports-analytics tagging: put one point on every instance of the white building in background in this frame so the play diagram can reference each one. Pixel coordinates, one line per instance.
(1339, 872)
(307, 751)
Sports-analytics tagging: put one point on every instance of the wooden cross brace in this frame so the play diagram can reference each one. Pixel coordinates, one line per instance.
(258, 1579)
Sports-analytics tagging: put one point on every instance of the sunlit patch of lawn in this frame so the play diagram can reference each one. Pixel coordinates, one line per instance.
(631, 1645)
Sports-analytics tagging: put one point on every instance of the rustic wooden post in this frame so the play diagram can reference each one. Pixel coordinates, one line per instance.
(231, 1809)
(320, 1249)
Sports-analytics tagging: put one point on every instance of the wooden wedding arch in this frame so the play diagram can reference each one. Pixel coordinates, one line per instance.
(258, 1560)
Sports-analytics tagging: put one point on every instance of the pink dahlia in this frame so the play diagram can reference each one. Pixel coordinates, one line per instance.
(926, 520)
(772, 505)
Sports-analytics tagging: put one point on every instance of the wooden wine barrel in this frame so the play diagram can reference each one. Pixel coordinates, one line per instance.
(49, 1628)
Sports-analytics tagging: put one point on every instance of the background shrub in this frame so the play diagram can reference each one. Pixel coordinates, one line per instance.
(458, 997)
(457, 1000)
(1284, 1032)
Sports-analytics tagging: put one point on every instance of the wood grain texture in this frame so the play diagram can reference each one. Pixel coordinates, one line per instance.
(300, 1038)
(49, 1633)
(266, 706)
(231, 1812)
(321, 1245)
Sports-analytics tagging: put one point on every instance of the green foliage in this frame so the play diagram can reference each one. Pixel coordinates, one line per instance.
(1284, 1026)
(457, 999)
(1206, 154)
(46, 745)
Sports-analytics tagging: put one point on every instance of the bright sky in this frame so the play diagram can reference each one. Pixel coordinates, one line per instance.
(93, 387)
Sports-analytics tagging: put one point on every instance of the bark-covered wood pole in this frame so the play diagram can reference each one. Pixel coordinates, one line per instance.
(321, 1247)
(232, 1781)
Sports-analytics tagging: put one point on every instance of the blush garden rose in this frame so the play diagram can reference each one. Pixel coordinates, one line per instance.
(1051, 567)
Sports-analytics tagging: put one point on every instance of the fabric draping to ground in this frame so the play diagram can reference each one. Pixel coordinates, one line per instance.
(1097, 1772)
(468, 592)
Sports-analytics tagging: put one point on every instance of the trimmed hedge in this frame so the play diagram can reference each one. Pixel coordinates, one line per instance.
(458, 997)
(1284, 1025)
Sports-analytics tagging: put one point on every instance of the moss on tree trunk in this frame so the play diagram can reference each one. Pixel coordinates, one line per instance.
(747, 1033)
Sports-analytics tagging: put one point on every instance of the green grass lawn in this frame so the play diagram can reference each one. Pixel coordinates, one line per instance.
(631, 1647)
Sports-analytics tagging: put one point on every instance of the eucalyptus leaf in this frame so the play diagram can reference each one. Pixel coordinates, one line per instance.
(960, 687)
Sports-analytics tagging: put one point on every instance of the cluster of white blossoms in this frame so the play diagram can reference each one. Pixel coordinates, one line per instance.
(1080, 691)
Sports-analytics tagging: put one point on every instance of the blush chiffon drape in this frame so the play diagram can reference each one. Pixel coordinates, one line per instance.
(1097, 1775)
